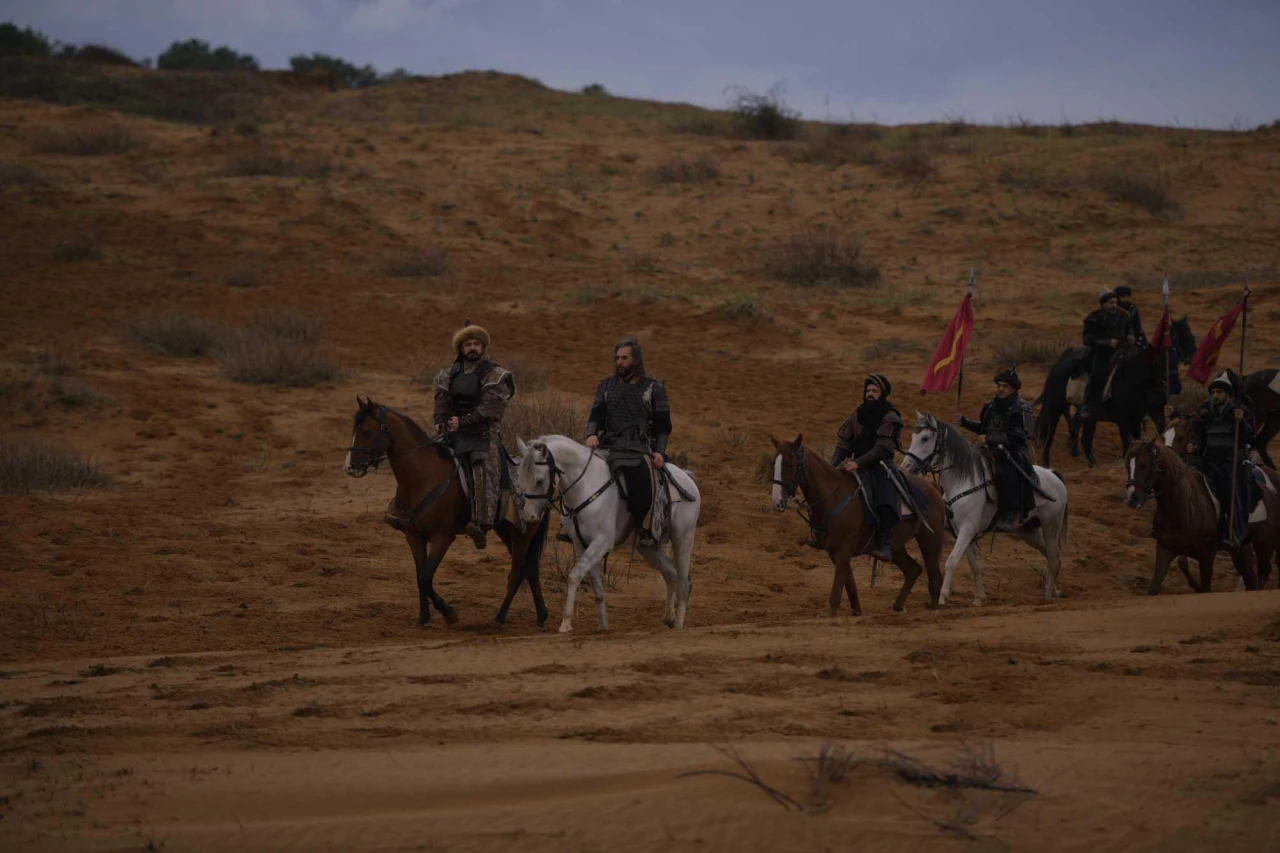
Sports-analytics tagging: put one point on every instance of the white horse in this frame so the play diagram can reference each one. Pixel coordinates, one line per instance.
(965, 476)
(598, 519)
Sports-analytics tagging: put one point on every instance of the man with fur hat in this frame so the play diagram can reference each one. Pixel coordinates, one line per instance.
(470, 398)
(1006, 421)
(1221, 432)
(631, 416)
(1124, 298)
(1106, 331)
(866, 443)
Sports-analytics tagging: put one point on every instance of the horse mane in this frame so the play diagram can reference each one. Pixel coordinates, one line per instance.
(419, 434)
(962, 454)
(1190, 503)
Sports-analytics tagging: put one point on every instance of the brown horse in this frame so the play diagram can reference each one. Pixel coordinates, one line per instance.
(1266, 407)
(837, 511)
(433, 508)
(1177, 436)
(1186, 518)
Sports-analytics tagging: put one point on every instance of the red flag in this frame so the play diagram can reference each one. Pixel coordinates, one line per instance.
(947, 359)
(1207, 355)
(1160, 339)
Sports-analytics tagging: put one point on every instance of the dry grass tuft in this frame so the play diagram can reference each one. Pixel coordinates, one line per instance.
(1148, 192)
(678, 170)
(743, 307)
(38, 466)
(78, 247)
(913, 161)
(764, 116)
(821, 257)
(531, 415)
(18, 175)
(278, 348)
(531, 375)
(93, 141)
(419, 263)
(176, 334)
(1022, 349)
(266, 162)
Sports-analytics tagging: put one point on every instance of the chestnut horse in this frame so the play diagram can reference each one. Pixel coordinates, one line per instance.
(838, 511)
(434, 508)
(1186, 518)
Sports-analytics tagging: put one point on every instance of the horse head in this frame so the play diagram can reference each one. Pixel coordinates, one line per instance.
(1177, 435)
(370, 439)
(1146, 471)
(926, 445)
(1184, 340)
(788, 470)
(535, 478)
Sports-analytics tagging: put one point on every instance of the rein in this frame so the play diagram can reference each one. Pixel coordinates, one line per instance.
(557, 500)
(1148, 486)
(929, 465)
(802, 479)
(378, 453)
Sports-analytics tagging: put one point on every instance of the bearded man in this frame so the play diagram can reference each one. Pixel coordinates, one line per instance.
(870, 437)
(1106, 331)
(1220, 434)
(631, 416)
(1005, 421)
(470, 399)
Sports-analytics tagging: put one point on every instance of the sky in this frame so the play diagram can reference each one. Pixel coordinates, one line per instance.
(1189, 63)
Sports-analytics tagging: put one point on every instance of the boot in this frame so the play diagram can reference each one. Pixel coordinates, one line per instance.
(882, 550)
(477, 528)
(644, 538)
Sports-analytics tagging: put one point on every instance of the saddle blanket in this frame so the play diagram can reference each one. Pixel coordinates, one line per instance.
(1274, 385)
(1259, 511)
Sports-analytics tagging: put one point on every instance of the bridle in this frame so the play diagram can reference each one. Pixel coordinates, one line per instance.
(1149, 485)
(555, 497)
(381, 449)
(930, 463)
(802, 479)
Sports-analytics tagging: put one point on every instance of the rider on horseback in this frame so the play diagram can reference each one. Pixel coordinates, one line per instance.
(631, 417)
(1106, 331)
(1220, 432)
(1124, 297)
(870, 436)
(1005, 421)
(470, 399)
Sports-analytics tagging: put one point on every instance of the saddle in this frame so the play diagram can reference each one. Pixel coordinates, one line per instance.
(657, 518)
(507, 508)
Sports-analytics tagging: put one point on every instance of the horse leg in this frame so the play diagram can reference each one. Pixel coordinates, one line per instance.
(964, 538)
(590, 557)
(437, 547)
(910, 571)
(1052, 430)
(1206, 572)
(597, 588)
(1086, 440)
(514, 579)
(1185, 568)
(1243, 560)
(419, 549)
(670, 574)
(837, 585)
(531, 564)
(843, 581)
(1073, 430)
(975, 566)
(1163, 558)
(682, 547)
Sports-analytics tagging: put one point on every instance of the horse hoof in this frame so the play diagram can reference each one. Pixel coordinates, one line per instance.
(451, 617)
(500, 618)
(902, 609)
(670, 623)
(423, 622)
(566, 627)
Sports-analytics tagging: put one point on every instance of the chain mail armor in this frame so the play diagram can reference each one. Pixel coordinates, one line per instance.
(632, 418)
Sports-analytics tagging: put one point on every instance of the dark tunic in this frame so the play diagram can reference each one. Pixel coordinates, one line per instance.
(1100, 328)
(1213, 430)
(477, 398)
(1135, 323)
(1006, 424)
(633, 420)
(870, 435)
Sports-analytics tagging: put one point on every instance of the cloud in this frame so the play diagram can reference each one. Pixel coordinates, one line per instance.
(373, 17)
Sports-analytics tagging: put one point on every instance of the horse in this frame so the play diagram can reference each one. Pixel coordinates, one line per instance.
(838, 511)
(1262, 387)
(965, 475)
(1186, 517)
(592, 506)
(1177, 436)
(1136, 393)
(427, 480)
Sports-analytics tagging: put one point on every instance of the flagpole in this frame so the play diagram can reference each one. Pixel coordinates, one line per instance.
(960, 378)
(1244, 325)
(1168, 383)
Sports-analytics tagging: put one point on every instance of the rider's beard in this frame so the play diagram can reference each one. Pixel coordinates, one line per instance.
(627, 371)
(473, 356)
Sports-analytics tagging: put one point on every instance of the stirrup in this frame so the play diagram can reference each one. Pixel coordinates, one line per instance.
(645, 539)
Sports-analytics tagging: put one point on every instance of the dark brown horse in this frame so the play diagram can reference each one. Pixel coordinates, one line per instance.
(837, 512)
(433, 508)
(1186, 518)
(1266, 408)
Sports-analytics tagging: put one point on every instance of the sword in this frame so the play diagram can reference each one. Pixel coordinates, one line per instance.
(907, 496)
(1034, 486)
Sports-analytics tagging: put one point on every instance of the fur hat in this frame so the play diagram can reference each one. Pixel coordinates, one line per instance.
(880, 381)
(470, 332)
(1223, 383)
(1124, 291)
(1011, 376)
(1105, 296)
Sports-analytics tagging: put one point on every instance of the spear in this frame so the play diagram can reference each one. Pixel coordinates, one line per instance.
(1164, 290)
(1235, 424)
(960, 377)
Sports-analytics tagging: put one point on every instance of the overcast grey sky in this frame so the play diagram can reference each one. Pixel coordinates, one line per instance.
(1187, 62)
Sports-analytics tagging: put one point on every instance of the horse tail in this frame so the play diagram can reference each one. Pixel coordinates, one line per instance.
(533, 554)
